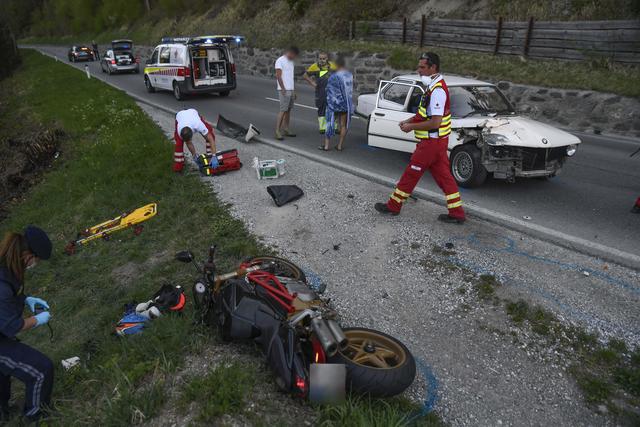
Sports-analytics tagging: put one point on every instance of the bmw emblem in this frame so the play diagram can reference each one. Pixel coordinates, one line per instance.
(544, 141)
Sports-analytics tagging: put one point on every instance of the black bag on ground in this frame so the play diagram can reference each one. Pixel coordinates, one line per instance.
(283, 194)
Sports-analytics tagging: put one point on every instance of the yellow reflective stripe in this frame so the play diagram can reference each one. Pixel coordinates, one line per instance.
(402, 193)
(396, 199)
(454, 205)
(453, 196)
(439, 84)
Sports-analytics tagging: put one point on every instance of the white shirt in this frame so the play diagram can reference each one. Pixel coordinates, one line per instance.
(191, 118)
(437, 100)
(286, 65)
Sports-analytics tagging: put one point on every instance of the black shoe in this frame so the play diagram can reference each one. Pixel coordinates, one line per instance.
(450, 220)
(384, 209)
(635, 209)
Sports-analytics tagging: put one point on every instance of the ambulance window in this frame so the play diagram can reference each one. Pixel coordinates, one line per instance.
(165, 55)
(154, 57)
(176, 56)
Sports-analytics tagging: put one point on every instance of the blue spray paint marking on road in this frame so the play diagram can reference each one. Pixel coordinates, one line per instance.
(431, 392)
(512, 249)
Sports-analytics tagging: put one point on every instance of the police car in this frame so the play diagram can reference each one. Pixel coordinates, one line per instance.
(488, 137)
(192, 65)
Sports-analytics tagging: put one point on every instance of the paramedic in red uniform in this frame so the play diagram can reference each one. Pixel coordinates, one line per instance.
(432, 126)
(187, 123)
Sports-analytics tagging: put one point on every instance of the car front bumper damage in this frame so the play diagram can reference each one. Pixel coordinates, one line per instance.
(509, 162)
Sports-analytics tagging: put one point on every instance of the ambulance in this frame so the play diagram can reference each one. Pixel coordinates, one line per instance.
(192, 65)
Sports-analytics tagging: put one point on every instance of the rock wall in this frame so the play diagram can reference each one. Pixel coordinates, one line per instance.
(580, 110)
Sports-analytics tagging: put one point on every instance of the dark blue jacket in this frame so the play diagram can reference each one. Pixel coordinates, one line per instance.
(11, 304)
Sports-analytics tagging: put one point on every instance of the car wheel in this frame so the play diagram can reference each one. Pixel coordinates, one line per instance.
(147, 83)
(225, 93)
(177, 92)
(466, 166)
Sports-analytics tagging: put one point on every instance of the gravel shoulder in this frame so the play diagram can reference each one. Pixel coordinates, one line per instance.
(413, 278)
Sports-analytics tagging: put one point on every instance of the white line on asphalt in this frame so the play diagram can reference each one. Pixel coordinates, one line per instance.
(295, 103)
(311, 108)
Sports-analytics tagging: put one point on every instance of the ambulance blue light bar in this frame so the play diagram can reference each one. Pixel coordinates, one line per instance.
(213, 39)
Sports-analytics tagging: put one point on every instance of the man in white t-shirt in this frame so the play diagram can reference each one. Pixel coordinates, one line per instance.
(188, 122)
(286, 90)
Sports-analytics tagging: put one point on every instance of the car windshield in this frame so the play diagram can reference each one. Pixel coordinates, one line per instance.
(484, 100)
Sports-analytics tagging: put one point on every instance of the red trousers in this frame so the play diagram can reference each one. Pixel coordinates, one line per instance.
(178, 154)
(431, 155)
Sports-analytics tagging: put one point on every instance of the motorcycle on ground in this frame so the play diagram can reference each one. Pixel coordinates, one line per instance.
(268, 300)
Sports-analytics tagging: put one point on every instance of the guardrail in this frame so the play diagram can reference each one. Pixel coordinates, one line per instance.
(618, 41)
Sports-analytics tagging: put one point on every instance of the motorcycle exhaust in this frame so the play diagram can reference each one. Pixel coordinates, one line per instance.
(326, 338)
(338, 334)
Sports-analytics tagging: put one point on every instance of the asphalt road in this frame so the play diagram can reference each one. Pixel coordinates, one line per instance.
(591, 198)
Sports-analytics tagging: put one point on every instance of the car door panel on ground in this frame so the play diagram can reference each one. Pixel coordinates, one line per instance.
(396, 102)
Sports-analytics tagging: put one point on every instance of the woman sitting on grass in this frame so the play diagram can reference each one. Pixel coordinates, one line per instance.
(18, 252)
(339, 104)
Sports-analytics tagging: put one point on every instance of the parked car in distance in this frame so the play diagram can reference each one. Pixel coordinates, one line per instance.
(192, 65)
(487, 135)
(80, 53)
(120, 58)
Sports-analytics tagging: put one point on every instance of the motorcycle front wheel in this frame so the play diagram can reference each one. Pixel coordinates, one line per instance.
(281, 267)
(378, 365)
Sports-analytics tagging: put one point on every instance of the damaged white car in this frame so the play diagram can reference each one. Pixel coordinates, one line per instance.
(487, 135)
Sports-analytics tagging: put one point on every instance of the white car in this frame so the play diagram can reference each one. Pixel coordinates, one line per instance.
(487, 135)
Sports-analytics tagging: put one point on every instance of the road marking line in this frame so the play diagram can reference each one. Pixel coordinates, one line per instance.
(355, 116)
(295, 103)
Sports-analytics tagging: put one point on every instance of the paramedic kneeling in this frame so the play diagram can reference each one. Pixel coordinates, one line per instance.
(188, 122)
(19, 252)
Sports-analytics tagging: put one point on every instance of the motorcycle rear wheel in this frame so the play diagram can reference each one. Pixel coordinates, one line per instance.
(282, 267)
(378, 365)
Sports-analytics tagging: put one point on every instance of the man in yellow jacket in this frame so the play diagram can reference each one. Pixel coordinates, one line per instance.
(317, 75)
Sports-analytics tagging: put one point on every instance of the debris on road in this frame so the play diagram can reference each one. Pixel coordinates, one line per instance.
(283, 194)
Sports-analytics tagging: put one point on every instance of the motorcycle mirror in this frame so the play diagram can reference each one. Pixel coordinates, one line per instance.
(184, 256)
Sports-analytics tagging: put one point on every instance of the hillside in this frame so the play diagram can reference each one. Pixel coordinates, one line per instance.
(276, 22)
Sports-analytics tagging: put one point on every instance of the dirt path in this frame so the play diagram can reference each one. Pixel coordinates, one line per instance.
(414, 278)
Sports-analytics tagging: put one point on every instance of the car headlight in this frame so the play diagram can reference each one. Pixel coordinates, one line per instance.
(495, 139)
(571, 149)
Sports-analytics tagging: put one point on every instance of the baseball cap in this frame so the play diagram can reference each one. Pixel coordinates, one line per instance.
(38, 242)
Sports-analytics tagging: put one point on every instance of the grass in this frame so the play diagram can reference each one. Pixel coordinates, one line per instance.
(115, 158)
(222, 391)
(607, 373)
(363, 412)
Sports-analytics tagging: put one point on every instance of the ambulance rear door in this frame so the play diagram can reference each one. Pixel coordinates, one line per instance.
(209, 66)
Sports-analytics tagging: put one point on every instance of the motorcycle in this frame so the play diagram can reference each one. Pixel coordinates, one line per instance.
(267, 299)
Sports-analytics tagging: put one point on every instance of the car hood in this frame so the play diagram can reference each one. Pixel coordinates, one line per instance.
(524, 132)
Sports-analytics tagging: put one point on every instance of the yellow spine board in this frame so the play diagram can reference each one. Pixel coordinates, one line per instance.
(121, 222)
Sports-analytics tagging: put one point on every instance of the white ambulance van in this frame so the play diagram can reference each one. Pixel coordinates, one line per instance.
(192, 65)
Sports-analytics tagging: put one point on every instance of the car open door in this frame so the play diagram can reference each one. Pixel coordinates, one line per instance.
(398, 100)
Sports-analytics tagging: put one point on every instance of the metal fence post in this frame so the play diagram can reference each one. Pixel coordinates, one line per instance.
(498, 34)
(404, 30)
(423, 25)
(527, 39)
